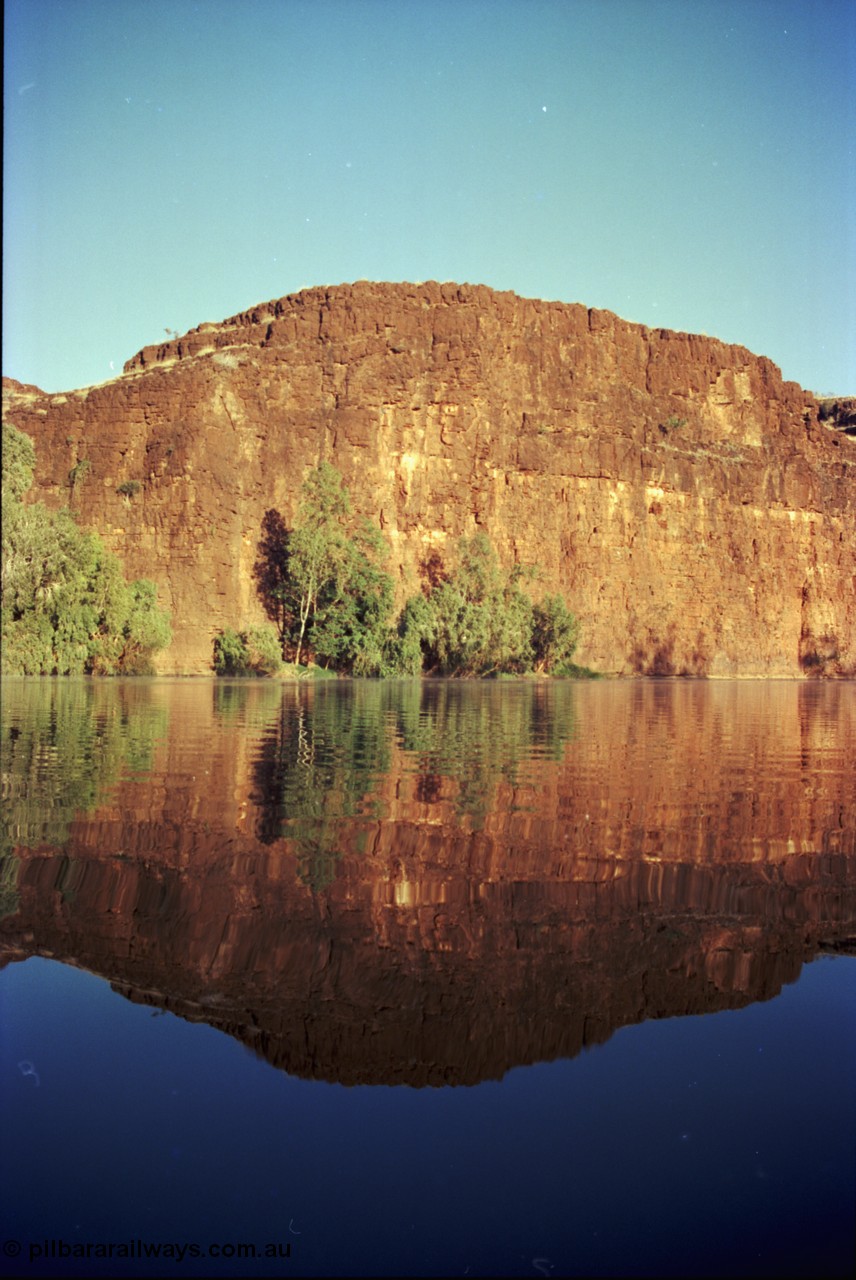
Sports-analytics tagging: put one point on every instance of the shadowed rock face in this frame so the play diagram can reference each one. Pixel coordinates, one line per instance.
(351, 888)
(695, 510)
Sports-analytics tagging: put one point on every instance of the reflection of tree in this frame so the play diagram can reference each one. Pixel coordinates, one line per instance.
(478, 734)
(64, 744)
(317, 767)
(10, 867)
(249, 702)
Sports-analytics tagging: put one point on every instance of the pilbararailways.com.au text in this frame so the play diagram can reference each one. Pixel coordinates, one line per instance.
(57, 1249)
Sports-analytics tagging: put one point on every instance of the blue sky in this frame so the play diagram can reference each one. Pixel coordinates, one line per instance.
(688, 164)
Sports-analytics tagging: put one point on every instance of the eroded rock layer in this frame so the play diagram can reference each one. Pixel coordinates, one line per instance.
(695, 510)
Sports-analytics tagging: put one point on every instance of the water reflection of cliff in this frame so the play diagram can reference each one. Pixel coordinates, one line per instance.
(430, 883)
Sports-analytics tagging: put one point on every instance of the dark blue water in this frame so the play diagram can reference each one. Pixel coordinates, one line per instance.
(523, 980)
(697, 1145)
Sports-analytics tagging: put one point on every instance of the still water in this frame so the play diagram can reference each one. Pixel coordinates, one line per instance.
(520, 978)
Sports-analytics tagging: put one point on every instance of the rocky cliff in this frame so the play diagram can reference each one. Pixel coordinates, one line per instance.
(695, 510)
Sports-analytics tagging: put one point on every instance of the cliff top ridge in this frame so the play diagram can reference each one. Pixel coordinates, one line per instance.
(382, 304)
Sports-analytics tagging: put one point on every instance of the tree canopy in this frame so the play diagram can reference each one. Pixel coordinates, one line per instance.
(322, 583)
(324, 587)
(66, 606)
(479, 621)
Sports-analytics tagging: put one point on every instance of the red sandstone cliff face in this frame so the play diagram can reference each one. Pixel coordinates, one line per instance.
(692, 507)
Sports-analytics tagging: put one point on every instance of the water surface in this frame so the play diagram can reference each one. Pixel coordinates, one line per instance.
(506, 978)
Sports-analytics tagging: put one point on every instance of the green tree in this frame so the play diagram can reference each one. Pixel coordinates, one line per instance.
(231, 655)
(352, 625)
(316, 547)
(142, 628)
(322, 583)
(19, 463)
(482, 619)
(409, 646)
(254, 652)
(325, 586)
(65, 607)
(554, 635)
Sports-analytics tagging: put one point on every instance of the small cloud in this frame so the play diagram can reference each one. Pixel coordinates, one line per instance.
(25, 87)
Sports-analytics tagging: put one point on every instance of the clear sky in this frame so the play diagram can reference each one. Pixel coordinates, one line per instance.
(688, 164)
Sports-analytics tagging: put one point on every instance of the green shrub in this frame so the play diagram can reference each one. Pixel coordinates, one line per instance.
(481, 621)
(254, 652)
(265, 656)
(478, 621)
(324, 587)
(79, 472)
(66, 606)
(322, 583)
(19, 463)
(231, 656)
(129, 488)
(554, 635)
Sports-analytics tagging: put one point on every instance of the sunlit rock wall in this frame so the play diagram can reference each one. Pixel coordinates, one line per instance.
(693, 508)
